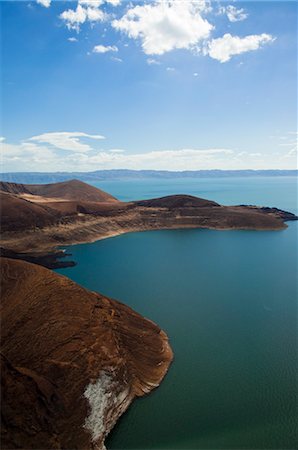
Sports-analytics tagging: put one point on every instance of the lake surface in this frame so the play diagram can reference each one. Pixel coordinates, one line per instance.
(228, 301)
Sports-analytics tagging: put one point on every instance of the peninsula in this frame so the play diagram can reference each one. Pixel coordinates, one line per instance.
(35, 219)
(72, 360)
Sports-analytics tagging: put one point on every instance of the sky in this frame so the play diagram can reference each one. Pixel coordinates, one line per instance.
(165, 85)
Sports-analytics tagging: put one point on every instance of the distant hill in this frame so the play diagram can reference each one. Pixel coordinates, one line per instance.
(67, 190)
(177, 201)
(71, 190)
(30, 206)
(100, 175)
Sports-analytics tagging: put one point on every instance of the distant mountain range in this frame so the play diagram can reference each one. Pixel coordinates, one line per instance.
(123, 174)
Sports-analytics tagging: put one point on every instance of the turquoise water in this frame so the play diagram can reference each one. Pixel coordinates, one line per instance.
(228, 301)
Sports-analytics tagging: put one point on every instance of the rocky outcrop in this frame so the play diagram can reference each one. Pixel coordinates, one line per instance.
(72, 360)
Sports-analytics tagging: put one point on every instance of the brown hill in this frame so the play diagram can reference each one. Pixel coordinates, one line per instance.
(71, 190)
(72, 362)
(67, 190)
(13, 188)
(176, 201)
(19, 214)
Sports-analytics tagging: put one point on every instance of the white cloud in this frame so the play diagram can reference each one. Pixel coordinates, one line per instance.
(166, 25)
(91, 3)
(170, 69)
(74, 18)
(234, 14)
(105, 48)
(152, 61)
(86, 11)
(66, 140)
(227, 46)
(25, 156)
(114, 2)
(45, 3)
(114, 58)
(195, 74)
(44, 154)
(72, 39)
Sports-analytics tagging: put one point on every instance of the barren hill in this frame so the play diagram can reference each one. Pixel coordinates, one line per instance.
(176, 201)
(72, 360)
(71, 190)
(19, 214)
(67, 190)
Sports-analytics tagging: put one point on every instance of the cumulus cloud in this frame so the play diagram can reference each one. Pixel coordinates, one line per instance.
(166, 25)
(45, 3)
(74, 18)
(66, 140)
(105, 48)
(234, 14)
(227, 46)
(72, 39)
(86, 11)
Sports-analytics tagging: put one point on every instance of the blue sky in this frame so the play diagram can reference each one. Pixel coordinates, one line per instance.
(171, 85)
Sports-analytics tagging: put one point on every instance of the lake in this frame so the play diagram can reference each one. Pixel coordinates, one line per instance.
(228, 302)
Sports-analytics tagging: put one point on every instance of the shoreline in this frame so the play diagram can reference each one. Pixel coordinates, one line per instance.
(51, 253)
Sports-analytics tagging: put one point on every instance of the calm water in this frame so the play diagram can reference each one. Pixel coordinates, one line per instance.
(227, 300)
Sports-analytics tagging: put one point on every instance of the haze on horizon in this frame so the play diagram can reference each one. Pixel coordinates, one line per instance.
(159, 85)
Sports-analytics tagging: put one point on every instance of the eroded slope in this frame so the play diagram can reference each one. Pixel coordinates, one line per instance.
(72, 360)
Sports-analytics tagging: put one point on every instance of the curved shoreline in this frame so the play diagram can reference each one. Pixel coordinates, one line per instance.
(34, 229)
(35, 248)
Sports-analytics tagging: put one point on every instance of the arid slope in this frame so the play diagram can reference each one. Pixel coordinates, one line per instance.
(72, 360)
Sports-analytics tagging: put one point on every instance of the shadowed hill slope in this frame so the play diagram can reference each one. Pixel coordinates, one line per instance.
(72, 362)
(13, 188)
(18, 214)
